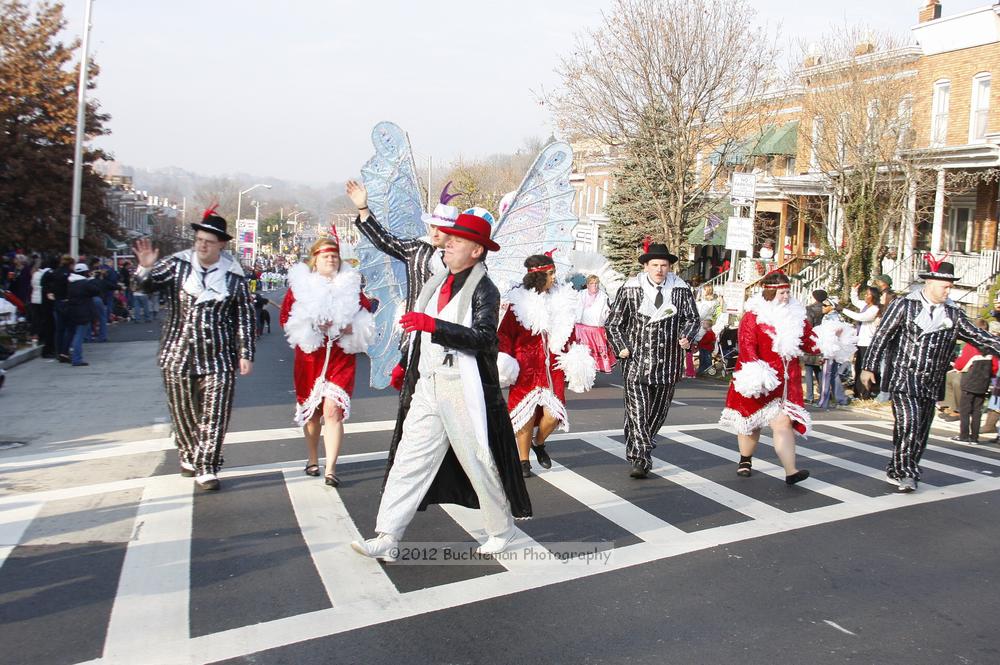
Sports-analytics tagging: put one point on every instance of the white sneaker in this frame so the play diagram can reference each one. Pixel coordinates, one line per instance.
(383, 547)
(496, 544)
(907, 485)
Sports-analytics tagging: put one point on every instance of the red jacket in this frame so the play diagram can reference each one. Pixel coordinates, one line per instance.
(707, 341)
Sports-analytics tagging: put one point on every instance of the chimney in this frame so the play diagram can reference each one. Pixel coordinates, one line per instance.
(930, 11)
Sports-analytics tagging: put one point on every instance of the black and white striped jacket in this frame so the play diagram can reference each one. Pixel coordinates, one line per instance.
(417, 254)
(916, 362)
(655, 357)
(205, 338)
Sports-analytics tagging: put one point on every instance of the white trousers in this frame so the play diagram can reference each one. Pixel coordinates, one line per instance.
(437, 416)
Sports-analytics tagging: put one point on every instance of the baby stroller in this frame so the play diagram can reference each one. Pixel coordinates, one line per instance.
(119, 306)
(724, 358)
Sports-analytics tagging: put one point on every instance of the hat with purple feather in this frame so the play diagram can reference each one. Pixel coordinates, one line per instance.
(444, 214)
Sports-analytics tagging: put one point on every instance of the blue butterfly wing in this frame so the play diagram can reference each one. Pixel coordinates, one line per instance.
(540, 218)
(395, 198)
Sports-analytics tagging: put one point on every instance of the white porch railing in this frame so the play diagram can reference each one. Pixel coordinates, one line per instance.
(972, 270)
(819, 274)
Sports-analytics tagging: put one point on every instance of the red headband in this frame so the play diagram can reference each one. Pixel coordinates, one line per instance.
(326, 249)
(544, 268)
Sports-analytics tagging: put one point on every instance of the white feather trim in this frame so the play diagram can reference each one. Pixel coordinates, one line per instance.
(321, 390)
(524, 411)
(755, 379)
(579, 367)
(836, 340)
(508, 368)
(756, 421)
(553, 313)
(361, 335)
(320, 301)
(785, 324)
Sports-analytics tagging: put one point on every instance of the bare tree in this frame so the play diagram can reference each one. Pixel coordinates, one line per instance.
(857, 105)
(700, 67)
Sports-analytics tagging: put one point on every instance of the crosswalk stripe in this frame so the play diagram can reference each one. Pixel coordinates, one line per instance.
(982, 456)
(522, 545)
(924, 463)
(327, 529)
(15, 522)
(154, 587)
(757, 510)
(833, 460)
(625, 514)
(773, 470)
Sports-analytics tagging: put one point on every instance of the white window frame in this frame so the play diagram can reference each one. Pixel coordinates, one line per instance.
(940, 102)
(904, 121)
(979, 109)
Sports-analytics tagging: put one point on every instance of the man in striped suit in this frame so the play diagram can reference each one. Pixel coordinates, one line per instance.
(208, 337)
(651, 325)
(916, 338)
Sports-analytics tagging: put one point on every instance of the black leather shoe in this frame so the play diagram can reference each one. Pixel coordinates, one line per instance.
(542, 456)
(638, 472)
(332, 480)
(526, 468)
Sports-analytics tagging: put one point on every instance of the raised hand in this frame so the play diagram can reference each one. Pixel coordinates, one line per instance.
(357, 193)
(145, 253)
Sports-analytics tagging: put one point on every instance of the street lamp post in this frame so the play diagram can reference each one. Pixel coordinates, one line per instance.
(81, 116)
(239, 201)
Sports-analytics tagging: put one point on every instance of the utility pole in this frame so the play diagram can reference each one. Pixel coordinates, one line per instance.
(81, 118)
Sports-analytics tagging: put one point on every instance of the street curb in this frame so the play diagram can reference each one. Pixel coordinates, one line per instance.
(22, 356)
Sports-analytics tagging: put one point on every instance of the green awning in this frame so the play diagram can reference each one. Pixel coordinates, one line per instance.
(711, 228)
(782, 140)
(735, 153)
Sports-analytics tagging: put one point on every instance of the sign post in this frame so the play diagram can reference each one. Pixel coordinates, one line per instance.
(742, 194)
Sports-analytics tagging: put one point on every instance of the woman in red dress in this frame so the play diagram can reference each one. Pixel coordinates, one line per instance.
(327, 321)
(767, 383)
(538, 356)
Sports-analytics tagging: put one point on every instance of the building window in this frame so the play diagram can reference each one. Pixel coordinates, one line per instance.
(980, 114)
(817, 138)
(904, 123)
(958, 233)
(790, 165)
(939, 111)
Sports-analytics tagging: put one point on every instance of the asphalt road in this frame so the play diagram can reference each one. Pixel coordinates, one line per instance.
(107, 555)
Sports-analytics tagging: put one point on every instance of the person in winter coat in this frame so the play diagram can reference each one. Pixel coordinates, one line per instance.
(81, 292)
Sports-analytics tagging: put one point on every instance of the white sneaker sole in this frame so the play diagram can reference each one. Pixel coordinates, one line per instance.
(360, 549)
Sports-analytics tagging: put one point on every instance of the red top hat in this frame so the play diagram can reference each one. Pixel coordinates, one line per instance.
(472, 228)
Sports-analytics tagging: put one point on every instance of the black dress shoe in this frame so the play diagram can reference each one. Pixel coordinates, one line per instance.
(797, 477)
(542, 456)
(958, 439)
(63, 358)
(526, 468)
(638, 472)
(332, 480)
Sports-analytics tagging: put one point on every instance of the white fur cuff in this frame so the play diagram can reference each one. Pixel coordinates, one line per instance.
(362, 333)
(755, 379)
(508, 368)
(835, 340)
(579, 367)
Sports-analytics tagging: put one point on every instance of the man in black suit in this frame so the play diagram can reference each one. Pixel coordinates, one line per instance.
(651, 325)
(916, 338)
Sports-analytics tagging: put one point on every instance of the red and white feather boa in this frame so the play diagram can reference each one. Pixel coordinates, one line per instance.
(320, 301)
(785, 324)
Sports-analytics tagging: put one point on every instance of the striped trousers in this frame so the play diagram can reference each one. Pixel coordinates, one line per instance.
(200, 406)
(913, 416)
(646, 408)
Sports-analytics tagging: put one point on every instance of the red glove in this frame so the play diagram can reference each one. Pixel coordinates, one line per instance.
(396, 381)
(418, 321)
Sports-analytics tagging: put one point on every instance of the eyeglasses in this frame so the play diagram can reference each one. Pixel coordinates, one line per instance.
(206, 241)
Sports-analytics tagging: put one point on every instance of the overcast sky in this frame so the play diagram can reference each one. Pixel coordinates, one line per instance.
(292, 88)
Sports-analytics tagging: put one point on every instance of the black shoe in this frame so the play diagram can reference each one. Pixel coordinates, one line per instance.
(526, 468)
(744, 469)
(63, 358)
(958, 439)
(332, 480)
(638, 472)
(82, 363)
(312, 470)
(543, 457)
(797, 477)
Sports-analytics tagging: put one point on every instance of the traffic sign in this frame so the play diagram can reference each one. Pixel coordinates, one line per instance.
(743, 188)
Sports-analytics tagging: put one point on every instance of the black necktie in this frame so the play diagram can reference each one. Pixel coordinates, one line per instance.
(933, 310)
(659, 297)
(204, 276)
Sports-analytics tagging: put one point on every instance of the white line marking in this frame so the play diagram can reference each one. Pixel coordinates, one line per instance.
(471, 521)
(154, 587)
(328, 530)
(924, 463)
(15, 522)
(992, 461)
(838, 627)
(832, 460)
(706, 488)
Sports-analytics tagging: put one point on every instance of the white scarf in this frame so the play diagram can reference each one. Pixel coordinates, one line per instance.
(553, 312)
(215, 287)
(925, 321)
(666, 309)
(786, 322)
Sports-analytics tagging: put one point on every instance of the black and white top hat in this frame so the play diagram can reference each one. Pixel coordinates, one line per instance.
(939, 269)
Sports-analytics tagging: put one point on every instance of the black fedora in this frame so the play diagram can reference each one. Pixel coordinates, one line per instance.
(212, 223)
(655, 250)
(939, 269)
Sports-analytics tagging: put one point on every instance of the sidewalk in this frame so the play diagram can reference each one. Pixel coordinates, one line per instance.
(52, 408)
